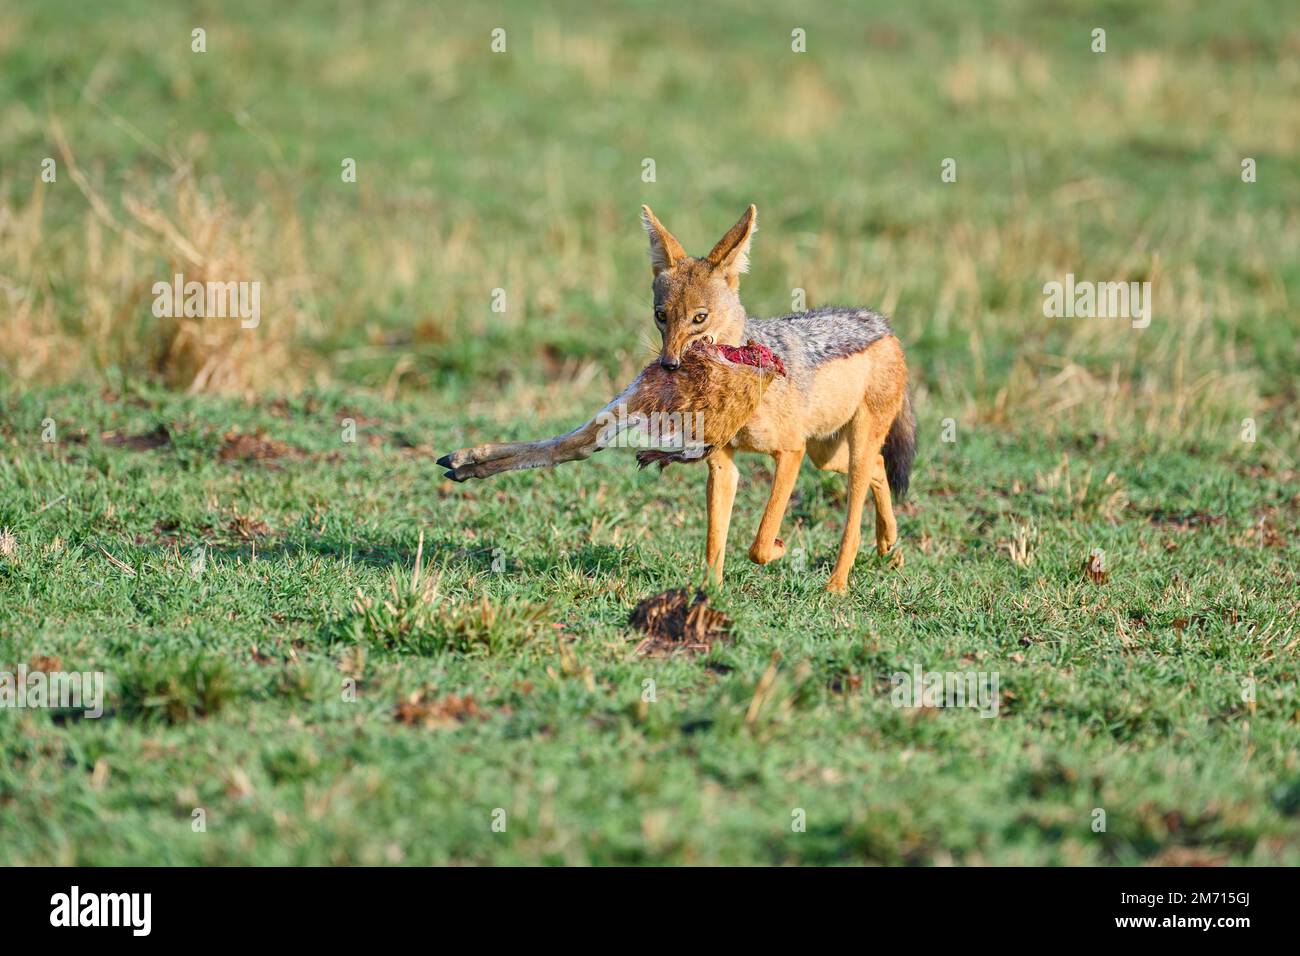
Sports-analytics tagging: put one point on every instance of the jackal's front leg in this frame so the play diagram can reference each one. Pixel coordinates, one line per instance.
(723, 478)
(767, 545)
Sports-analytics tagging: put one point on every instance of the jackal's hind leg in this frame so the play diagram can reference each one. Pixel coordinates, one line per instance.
(886, 523)
(864, 453)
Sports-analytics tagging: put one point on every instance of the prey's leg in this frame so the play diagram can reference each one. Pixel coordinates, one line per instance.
(482, 461)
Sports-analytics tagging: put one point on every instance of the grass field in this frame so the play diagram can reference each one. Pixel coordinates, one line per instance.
(183, 508)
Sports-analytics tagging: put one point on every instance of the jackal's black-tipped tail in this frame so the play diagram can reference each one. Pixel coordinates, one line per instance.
(900, 449)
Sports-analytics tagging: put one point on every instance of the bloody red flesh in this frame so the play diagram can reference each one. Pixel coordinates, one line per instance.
(752, 354)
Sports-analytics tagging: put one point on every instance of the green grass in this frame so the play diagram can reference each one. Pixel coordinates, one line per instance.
(259, 622)
(227, 686)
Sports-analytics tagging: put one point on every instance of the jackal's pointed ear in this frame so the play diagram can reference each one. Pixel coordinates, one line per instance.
(731, 254)
(665, 250)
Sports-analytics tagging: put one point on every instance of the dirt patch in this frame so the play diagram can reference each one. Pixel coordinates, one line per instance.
(238, 446)
(1228, 616)
(1184, 520)
(1264, 532)
(1284, 475)
(165, 534)
(403, 442)
(1185, 856)
(553, 360)
(262, 660)
(421, 710)
(157, 438)
(360, 418)
(844, 682)
(676, 621)
(284, 408)
(242, 526)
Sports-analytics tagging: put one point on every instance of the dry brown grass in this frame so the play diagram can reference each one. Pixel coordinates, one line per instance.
(78, 303)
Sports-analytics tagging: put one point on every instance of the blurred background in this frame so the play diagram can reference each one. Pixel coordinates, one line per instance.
(524, 171)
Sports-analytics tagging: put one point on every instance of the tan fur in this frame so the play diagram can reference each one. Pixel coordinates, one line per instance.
(840, 421)
(688, 290)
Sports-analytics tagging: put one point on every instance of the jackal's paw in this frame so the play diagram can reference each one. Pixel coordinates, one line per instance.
(763, 553)
(836, 586)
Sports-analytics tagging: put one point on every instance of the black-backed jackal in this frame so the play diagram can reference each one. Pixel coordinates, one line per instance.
(842, 399)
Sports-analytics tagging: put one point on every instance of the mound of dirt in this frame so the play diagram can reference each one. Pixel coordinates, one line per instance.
(421, 710)
(676, 621)
(238, 446)
(157, 438)
(242, 526)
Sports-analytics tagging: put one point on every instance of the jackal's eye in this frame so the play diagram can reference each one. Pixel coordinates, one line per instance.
(700, 317)
(660, 316)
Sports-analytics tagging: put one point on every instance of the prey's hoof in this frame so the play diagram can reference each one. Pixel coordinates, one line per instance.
(761, 554)
(460, 465)
(458, 459)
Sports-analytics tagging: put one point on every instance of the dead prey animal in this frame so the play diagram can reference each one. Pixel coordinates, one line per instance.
(669, 416)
